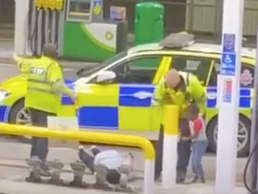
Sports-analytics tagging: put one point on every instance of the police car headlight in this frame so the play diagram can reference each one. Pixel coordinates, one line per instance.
(4, 93)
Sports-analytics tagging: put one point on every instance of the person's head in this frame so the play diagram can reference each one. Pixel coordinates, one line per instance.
(94, 150)
(193, 112)
(174, 81)
(50, 50)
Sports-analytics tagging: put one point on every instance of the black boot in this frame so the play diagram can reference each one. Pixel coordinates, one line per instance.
(180, 178)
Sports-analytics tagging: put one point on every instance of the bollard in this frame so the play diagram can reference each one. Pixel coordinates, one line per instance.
(93, 137)
(171, 118)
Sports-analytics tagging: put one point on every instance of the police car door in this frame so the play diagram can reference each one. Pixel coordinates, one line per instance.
(136, 77)
(123, 102)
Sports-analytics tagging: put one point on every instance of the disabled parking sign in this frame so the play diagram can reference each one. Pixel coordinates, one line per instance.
(228, 58)
(228, 64)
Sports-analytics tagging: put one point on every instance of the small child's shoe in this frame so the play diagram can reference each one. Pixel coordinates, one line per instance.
(202, 180)
(194, 179)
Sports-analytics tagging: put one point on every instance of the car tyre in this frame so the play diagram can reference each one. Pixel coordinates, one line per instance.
(18, 106)
(212, 127)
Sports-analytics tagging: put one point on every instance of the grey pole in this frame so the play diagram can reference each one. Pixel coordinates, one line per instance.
(46, 28)
(61, 23)
(254, 128)
(39, 31)
(53, 27)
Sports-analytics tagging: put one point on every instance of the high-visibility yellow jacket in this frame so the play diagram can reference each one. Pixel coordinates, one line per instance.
(23, 62)
(45, 85)
(195, 93)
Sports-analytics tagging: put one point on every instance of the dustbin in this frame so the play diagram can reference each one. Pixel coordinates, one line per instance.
(149, 26)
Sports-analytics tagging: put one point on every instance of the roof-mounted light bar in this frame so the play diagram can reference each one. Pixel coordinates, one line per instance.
(178, 40)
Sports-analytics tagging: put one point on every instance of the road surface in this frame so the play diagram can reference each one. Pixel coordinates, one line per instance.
(14, 184)
(13, 154)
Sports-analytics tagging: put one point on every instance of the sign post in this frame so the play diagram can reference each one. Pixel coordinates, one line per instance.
(253, 171)
(228, 96)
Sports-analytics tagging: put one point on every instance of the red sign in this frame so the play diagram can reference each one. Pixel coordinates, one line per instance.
(227, 90)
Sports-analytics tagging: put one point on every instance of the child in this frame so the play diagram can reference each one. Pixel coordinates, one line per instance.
(183, 149)
(199, 142)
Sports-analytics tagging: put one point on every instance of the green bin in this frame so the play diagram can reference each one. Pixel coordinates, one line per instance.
(148, 23)
(148, 29)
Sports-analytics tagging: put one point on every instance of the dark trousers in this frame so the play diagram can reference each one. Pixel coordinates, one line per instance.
(39, 146)
(113, 176)
(184, 152)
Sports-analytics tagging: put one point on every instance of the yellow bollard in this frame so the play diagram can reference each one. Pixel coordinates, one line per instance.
(171, 119)
(93, 137)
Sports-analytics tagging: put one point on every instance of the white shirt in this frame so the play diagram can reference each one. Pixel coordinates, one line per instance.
(109, 158)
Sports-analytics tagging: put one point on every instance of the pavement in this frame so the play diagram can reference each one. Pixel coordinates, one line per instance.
(13, 171)
(12, 182)
(10, 157)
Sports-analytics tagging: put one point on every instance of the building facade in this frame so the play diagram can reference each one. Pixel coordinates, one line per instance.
(203, 17)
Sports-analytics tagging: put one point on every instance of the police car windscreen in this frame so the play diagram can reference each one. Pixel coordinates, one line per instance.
(88, 70)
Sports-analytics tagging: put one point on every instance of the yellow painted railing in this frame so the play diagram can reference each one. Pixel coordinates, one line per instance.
(93, 137)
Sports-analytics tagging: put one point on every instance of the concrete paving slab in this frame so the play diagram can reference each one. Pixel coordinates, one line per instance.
(19, 187)
(12, 181)
(13, 154)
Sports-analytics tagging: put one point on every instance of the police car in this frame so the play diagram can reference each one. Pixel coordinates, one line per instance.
(116, 94)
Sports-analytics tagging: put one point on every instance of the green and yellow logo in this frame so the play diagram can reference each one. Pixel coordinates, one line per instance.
(109, 35)
(97, 9)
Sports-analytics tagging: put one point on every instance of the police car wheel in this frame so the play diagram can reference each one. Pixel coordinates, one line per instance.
(20, 115)
(243, 138)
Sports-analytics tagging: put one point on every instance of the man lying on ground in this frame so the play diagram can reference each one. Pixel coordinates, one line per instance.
(109, 166)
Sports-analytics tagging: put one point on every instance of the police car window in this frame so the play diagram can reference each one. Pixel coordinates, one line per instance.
(246, 75)
(195, 65)
(91, 69)
(140, 69)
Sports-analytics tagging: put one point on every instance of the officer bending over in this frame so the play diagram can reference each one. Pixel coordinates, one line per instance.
(43, 97)
(181, 89)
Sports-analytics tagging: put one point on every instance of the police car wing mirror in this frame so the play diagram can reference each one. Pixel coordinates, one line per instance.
(105, 77)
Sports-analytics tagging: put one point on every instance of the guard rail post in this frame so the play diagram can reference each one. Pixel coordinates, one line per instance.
(93, 137)
(169, 163)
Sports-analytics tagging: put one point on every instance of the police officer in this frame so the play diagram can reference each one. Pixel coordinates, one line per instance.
(181, 89)
(43, 97)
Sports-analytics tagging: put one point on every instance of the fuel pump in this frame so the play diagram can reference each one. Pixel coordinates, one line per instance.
(45, 22)
(77, 27)
(251, 168)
